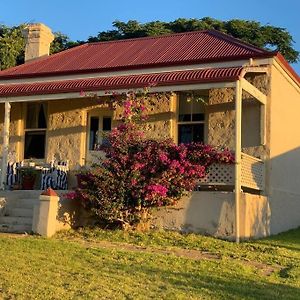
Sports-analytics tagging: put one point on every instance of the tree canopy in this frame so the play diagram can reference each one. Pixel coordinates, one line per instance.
(263, 36)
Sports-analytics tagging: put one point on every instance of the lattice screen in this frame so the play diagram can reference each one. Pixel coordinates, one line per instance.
(252, 172)
(219, 174)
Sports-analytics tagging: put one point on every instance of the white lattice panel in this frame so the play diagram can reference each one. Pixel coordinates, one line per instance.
(252, 172)
(219, 174)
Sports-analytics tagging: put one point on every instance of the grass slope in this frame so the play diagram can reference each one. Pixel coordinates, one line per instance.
(98, 264)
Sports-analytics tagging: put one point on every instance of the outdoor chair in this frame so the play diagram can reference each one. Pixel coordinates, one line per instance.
(55, 177)
(13, 173)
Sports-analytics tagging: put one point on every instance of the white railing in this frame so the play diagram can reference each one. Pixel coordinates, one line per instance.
(252, 174)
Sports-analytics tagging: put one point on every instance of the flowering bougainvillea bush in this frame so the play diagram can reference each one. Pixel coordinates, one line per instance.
(138, 174)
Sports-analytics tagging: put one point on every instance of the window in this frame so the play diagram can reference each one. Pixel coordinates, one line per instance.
(35, 130)
(99, 126)
(191, 118)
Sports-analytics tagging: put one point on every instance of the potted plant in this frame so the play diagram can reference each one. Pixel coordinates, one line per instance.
(28, 176)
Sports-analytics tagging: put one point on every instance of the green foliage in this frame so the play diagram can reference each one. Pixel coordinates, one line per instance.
(62, 42)
(12, 46)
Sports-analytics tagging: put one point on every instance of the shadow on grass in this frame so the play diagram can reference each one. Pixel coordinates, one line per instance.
(289, 240)
(221, 286)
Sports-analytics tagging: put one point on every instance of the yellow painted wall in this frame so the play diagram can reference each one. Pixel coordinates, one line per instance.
(284, 164)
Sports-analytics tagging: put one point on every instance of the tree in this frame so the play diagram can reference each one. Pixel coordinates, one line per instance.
(62, 42)
(11, 46)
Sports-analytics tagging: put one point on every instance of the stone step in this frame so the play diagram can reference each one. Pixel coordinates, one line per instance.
(18, 212)
(7, 220)
(15, 228)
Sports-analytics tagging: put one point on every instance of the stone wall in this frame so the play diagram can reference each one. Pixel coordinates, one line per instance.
(158, 124)
(67, 128)
(220, 113)
(15, 126)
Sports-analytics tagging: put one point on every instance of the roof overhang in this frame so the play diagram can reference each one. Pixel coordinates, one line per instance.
(157, 80)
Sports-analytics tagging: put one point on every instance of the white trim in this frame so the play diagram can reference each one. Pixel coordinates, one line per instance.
(263, 124)
(173, 88)
(238, 157)
(5, 144)
(252, 90)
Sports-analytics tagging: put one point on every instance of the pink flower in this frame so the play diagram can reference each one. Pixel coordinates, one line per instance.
(163, 158)
(157, 189)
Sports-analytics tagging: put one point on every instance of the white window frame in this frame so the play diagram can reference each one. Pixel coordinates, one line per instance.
(101, 114)
(204, 122)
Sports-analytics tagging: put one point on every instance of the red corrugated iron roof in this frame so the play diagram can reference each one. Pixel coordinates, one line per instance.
(121, 82)
(174, 49)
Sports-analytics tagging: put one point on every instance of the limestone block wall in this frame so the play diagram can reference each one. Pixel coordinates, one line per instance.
(160, 115)
(221, 117)
(220, 113)
(15, 129)
(67, 127)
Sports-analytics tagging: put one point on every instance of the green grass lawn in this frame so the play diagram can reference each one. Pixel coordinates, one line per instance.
(98, 264)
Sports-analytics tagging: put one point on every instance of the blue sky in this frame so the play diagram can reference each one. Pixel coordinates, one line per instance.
(80, 19)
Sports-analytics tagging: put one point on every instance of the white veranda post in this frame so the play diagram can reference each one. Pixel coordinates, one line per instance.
(238, 145)
(5, 144)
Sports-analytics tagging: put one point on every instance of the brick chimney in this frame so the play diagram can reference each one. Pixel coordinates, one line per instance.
(37, 41)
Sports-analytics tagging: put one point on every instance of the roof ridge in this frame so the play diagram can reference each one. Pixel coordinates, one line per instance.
(150, 37)
(213, 32)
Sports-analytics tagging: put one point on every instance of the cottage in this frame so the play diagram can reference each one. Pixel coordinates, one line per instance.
(54, 106)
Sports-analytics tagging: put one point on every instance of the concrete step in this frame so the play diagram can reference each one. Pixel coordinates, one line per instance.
(18, 212)
(21, 203)
(8, 220)
(16, 228)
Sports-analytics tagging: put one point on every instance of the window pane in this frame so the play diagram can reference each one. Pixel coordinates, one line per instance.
(42, 123)
(198, 109)
(198, 117)
(36, 115)
(35, 144)
(188, 133)
(106, 124)
(94, 130)
(185, 108)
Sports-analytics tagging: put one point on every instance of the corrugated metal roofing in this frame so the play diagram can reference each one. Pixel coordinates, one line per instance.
(175, 49)
(121, 82)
